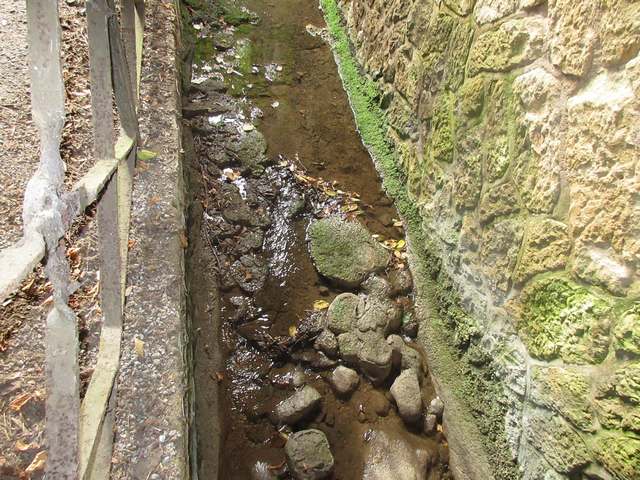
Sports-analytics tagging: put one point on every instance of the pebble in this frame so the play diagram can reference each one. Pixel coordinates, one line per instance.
(309, 455)
(406, 393)
(298, 406)
(436, 407)
(344, 380)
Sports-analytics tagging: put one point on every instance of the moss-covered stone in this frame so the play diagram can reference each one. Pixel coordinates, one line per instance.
(344, 251)
(560, 445)
(565, 391)
(561, 319)
(471, 97)
(626, 334)
(627, 382)
(342, 314)
(619, 453)
(497, 201)
(511, 44)
(442, 128)
(545, 249)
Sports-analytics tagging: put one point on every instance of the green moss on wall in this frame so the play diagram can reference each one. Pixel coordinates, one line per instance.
(449, 330)
(561, 319)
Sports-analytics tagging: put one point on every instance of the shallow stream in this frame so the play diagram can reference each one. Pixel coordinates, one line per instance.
(269, 74)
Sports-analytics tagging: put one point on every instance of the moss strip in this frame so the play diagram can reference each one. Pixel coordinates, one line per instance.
(477, 397)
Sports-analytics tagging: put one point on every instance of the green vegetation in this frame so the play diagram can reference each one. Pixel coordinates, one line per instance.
(450, 328)
(563, 319)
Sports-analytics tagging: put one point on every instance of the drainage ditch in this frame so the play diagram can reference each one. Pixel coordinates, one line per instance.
(278, 177)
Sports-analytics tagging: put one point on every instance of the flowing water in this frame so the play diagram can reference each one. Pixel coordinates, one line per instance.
(286, 81)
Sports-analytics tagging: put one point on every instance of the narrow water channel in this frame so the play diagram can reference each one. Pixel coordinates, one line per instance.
(274, 148)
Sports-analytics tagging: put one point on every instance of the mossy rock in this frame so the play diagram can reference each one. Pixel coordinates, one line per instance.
(343, 313)
(345, 252)
(561, 319)
(620, 454)
(566, 392)
(560, 445)
(249, 151)
(626, 333)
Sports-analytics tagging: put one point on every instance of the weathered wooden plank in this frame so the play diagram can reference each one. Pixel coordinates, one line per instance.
(18, 261)
(46, 213)
(122, 81)
(128, 22)
(98, 12)
(99, 391)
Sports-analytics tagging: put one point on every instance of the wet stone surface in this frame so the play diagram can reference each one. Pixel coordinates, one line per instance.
(309, 355)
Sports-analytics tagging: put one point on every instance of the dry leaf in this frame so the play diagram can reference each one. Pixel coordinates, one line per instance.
(219, 377)
(400, 245)
(293, 331)
(19, 402)
(138, 345)
(21, 446)
(37, 463)
(320, 305)
(184, 241)
(231, 174)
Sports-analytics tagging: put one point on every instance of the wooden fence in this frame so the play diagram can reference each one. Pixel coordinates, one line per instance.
(79, 436)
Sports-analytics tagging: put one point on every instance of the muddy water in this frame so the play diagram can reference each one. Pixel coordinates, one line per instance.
(291, 77)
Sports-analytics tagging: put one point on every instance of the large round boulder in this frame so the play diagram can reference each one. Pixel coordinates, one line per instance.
(345, 252)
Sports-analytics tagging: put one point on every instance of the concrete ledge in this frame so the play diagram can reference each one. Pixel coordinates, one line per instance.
(151, 439)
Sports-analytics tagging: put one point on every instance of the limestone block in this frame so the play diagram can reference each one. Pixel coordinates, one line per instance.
(619, 453)
(497, 201)
(546, 248)
(512, 44)
(573, 36)
(560, 319)
(565, 391)
(500, 245)
(560, 445)
(626, 333)
(461, 7)
(620, 31)
(487, 11)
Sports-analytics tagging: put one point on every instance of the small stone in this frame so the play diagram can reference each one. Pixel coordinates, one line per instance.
(327, 343)
(374, 356)
(379, 314)
(406, 393)
(344, 380)
(316, 360)
(349, 345)
(376, 286)
(308, 455)
(436, 407)
(343, 313)
(430, 423)
(401, 282)
(298, 406)
(405, 356)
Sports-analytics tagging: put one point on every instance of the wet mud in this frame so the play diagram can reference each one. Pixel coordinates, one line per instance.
(271, 146)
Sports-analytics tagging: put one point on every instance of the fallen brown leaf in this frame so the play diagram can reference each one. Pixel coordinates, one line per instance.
(19, 402)
(38, 462)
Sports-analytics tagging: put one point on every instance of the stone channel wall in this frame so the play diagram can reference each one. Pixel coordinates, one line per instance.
(516, 124)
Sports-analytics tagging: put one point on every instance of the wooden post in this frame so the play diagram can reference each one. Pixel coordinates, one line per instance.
(45, 213)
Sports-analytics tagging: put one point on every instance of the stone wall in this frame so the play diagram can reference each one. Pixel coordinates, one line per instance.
(517, 128)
